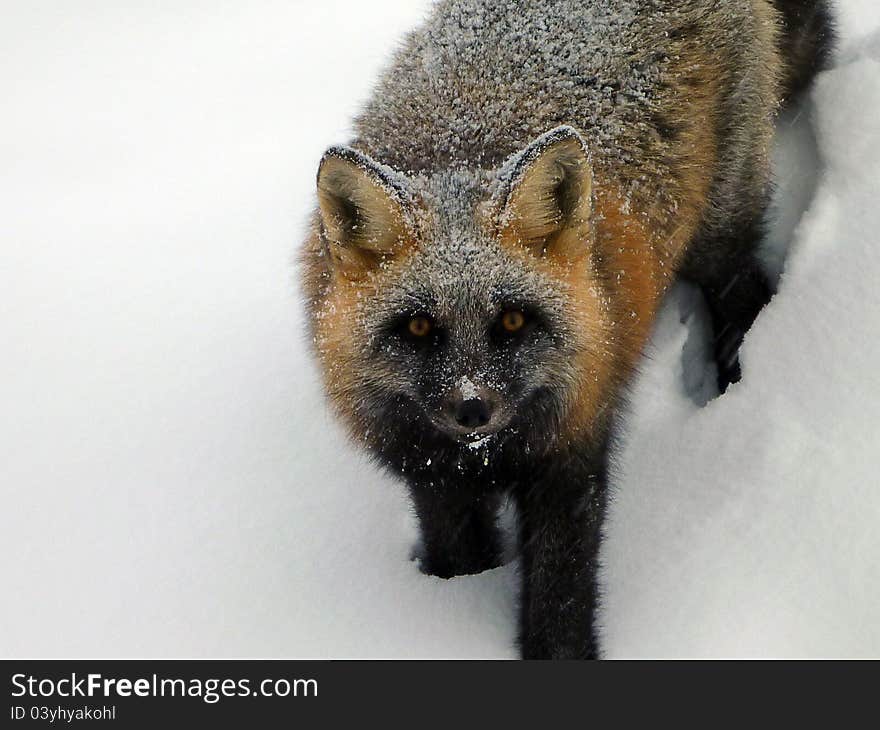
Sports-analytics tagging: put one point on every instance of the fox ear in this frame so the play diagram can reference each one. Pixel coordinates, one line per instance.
(365, 210)
(547, 196)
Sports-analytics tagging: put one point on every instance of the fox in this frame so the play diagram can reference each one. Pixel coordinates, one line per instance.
(488, 253)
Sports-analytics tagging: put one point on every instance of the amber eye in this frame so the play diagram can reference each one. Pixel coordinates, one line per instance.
(513, 321)
(420, 326)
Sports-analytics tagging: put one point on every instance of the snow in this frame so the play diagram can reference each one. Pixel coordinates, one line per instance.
(467, 388)
(172, 482)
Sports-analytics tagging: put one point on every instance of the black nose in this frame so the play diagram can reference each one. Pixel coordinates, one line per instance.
(472, 413)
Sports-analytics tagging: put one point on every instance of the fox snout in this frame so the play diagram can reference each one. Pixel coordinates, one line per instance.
(473, 413)
(469, 411)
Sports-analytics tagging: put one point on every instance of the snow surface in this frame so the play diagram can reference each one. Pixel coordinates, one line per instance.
(172, 483)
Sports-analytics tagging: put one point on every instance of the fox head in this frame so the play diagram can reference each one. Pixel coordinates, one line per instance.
(465, 302)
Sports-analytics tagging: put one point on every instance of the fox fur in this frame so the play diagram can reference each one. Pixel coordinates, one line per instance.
(563, 161)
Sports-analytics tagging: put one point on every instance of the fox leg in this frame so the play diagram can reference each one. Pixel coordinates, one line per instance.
(561, 517)
(734, 305)
(459, 535)
(735, 287)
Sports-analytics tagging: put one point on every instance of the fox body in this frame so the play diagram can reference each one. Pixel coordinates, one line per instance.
(489, 253)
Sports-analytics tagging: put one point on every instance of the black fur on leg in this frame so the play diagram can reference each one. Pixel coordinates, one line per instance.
(561, 513)
(734, 307)
(735, 287)
(560, 497)
(459, 535)
(808, 36)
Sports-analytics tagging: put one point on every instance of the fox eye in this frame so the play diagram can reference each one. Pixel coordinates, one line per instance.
(420, 326)
(512, 321)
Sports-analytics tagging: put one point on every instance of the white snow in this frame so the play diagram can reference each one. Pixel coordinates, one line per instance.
(467, 388)
(172, 484)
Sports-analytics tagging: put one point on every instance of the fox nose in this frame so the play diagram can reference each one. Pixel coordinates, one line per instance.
(473, 413)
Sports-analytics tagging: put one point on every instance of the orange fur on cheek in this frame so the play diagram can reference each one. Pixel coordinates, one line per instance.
(335, 325)
(339, 334)
(616, 307)
(595, 358)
